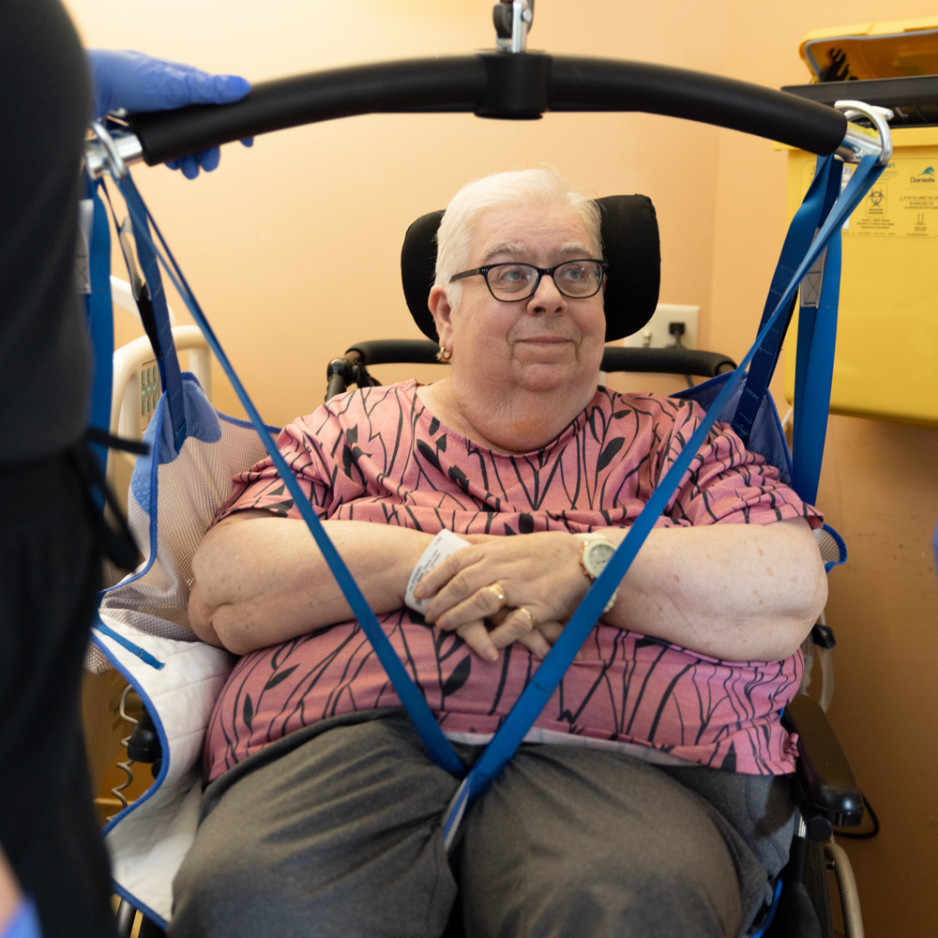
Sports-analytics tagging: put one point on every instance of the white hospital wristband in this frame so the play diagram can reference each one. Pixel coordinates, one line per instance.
(444, 544)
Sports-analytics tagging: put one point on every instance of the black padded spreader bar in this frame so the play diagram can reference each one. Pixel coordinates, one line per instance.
(499, 85)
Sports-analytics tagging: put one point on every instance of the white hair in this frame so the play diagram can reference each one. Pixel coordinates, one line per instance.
(540, 187)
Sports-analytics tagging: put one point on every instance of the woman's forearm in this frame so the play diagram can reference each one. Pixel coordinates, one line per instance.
(260, 579)
(737, 592)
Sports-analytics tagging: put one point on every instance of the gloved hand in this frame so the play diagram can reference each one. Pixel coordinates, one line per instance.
(135, 82)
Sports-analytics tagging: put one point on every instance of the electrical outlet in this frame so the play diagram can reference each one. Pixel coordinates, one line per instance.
(659, 331)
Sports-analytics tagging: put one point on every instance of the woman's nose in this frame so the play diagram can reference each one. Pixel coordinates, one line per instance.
(546, 298)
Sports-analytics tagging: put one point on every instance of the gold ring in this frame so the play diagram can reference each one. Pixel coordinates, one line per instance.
(530, 615)
(499, 594)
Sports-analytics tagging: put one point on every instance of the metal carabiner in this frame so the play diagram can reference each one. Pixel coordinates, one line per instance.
(511, 27)
(109, 152)
(857, 143)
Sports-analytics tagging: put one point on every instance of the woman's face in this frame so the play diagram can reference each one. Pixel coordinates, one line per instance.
(546, 343)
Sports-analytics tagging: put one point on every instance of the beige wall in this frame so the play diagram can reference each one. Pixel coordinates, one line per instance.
(292, 249)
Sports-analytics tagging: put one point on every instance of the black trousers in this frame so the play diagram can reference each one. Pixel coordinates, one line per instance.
(49, 577)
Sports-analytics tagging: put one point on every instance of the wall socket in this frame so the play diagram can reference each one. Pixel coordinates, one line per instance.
(657, 332)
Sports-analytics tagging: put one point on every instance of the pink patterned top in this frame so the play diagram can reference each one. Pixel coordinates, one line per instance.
(379, 456)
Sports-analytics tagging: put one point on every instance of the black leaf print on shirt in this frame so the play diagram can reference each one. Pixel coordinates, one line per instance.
(428, 454)
(459, 477)
(350, 459)
(459, 677)
(609, 453)
(280, 675)
(281, 508)
(247, 711)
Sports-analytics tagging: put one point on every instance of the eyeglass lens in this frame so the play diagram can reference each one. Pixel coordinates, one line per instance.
(581, 278)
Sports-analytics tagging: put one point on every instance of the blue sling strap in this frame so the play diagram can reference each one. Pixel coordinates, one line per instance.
(816, 204)
(95, 285)
(814, 370)
(817, 325)
(167, 360)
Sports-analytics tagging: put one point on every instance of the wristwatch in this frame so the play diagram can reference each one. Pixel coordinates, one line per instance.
(596, 553)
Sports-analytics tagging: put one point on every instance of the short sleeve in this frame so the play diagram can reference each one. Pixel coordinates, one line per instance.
(729, 484)
(301, 443)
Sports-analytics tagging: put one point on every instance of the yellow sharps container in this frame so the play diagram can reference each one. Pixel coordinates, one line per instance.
(886, 363)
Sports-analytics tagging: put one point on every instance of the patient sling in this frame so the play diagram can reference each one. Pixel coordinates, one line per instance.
(185, 425)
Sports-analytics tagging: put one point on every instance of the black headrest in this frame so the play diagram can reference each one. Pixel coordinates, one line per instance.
(629, 230)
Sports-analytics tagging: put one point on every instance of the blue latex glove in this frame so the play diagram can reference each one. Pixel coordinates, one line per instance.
(133, 82)
(25, 922)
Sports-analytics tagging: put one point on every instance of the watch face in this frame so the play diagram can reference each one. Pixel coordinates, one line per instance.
(596, 556)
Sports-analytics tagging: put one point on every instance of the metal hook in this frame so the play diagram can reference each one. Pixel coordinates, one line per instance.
(857, 144)
(512, 26)
(110, 152)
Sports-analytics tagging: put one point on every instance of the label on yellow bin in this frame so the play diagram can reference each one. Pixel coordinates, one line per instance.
(903, 203)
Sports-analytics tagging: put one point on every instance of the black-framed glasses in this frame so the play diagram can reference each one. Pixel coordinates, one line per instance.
(511, 282)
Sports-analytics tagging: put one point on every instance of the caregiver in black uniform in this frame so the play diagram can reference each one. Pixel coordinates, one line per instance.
(49, 559)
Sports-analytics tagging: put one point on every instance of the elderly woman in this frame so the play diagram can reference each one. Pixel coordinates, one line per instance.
(647, 798)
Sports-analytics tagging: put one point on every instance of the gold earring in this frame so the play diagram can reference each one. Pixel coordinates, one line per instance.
(444, 354)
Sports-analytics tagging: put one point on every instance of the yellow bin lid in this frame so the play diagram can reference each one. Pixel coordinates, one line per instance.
(897, 49)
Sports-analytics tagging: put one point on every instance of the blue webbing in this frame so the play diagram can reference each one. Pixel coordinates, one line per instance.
(814, 373)
(100, 314)
(817, 330)
(817, 327)
(166, 358)
(551, 670)
(770, 915)
(817, 203)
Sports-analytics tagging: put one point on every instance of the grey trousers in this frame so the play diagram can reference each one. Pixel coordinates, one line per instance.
(334, 832)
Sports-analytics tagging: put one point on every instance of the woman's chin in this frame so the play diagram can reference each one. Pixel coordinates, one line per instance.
(545, 377)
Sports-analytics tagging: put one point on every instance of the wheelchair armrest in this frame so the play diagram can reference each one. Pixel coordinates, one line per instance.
(826, 787)
(389, 351)
(669, 361)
